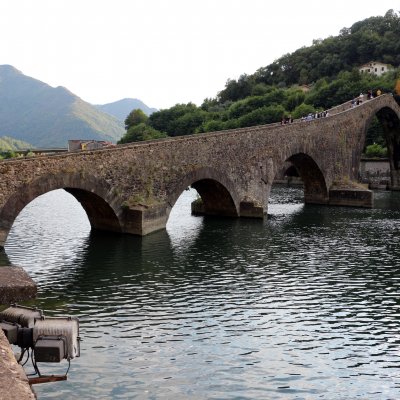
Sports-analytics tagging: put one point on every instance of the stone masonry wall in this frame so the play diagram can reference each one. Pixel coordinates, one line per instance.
(155, 173)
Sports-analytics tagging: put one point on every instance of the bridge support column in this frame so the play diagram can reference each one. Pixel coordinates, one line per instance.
(141, 220)
(351, 197)
(315, 198)
(247, 209)
(394, 178)
(251, 210)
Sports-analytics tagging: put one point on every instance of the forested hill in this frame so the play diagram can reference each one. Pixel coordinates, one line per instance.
(373, 39)
(309, 80)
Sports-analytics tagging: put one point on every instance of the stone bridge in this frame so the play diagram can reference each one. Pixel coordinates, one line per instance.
(132, 188)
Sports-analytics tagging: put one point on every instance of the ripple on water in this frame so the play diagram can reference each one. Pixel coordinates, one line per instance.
(294, 307)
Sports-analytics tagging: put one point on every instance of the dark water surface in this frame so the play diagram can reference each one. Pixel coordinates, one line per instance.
(305, 305)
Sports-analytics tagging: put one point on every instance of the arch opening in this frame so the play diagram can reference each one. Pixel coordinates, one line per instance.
(50, 219)
(217, 194)
(286, 194)
(215, 199)
(307, 170)
(292, 172)
(99, 211)
(100, 214)
(384, 129)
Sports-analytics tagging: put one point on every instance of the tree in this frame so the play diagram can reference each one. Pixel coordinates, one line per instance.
(135, 117)
(141, 132)
(213, 125)
(302, 110)
(181, 119)
(376, 150)
(263, 115)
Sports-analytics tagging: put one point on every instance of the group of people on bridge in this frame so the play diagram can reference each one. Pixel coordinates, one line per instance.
(370, 95)
(308, 117)
(311, 116)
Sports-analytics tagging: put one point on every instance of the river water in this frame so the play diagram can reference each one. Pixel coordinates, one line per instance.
(305, 305)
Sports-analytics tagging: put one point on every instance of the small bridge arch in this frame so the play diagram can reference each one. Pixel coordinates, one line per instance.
(315, 188)
(217, 192)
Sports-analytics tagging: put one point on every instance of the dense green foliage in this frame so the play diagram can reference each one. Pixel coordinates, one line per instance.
(138, 128)
(329, 68)
(373, 39)
(375, 150)
(135, 117)
(33, 111)
(271, 106)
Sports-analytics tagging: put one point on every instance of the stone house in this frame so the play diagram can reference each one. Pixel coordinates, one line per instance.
(375, 67)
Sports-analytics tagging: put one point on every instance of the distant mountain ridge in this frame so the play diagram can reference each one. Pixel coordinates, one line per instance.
(120, 109)
(33, 111)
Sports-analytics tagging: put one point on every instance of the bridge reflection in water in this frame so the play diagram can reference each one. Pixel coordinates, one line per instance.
(291, 307)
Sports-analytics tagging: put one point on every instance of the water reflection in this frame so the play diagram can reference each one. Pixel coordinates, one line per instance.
(293, 307)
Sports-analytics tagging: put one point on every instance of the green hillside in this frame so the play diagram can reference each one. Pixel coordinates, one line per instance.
(329, 68)
(35, 112)
(373, 39)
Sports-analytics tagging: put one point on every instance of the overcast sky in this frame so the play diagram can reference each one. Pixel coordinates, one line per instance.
(163, 52)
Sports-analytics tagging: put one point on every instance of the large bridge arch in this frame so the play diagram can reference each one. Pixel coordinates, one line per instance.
(218, 193)
(390, 122)
(92, 193)
(315, 187)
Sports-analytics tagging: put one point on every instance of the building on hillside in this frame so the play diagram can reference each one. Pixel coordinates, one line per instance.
(375, 67)
(78, 144)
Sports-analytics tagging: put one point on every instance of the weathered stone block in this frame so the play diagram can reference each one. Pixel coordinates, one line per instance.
(15, 285)
(250, 210)
(142, 220)
(351, 197)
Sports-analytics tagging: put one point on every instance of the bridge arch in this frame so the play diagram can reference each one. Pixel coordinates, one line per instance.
(390, 122)
(315, 188)
(218, 193)
(92, 193)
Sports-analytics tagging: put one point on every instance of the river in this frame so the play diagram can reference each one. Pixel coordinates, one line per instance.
(304, 305)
